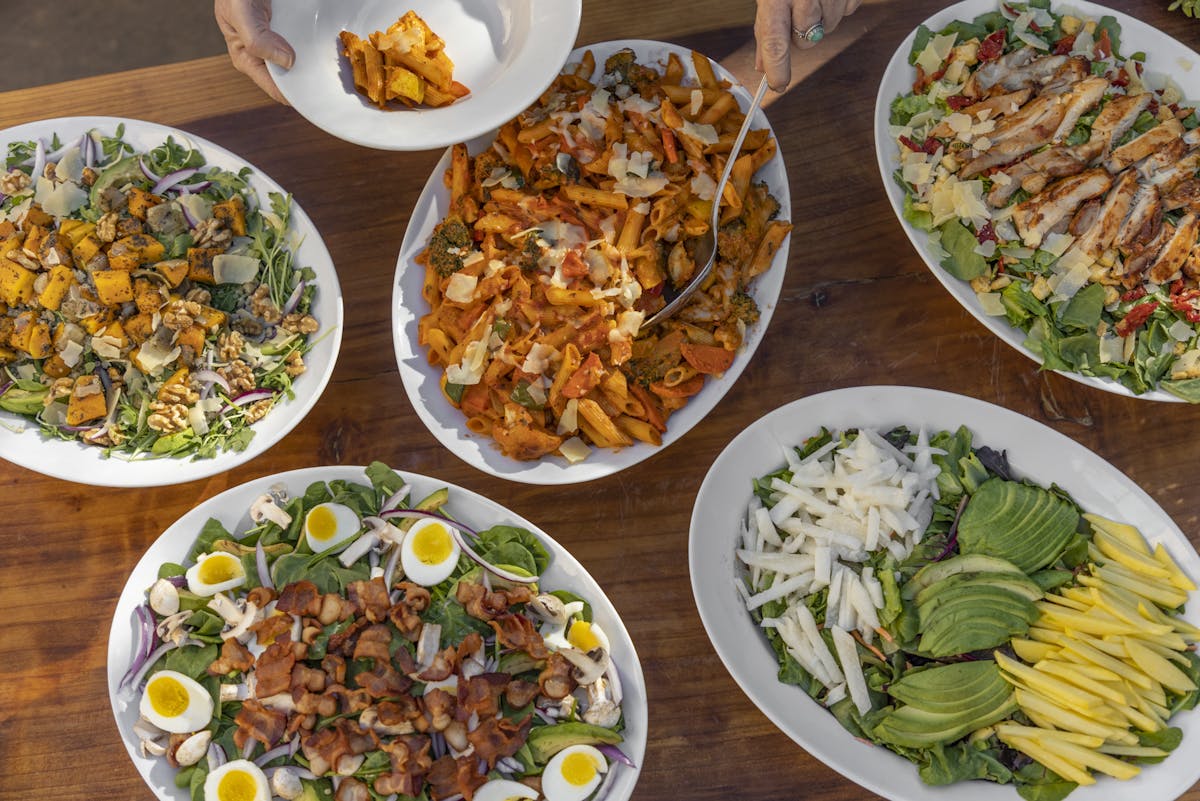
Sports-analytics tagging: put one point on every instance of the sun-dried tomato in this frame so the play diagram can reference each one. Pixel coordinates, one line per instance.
(958, 102)
(1186, 302)
(1103, 47)
(921, 82)
(1121, 78)
(1135, 318)
(930, 145)
(987, 233)
(1134, 294)
(992, 47)
(1064, 45)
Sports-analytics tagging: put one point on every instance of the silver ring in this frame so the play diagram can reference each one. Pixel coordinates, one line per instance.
(813, 34)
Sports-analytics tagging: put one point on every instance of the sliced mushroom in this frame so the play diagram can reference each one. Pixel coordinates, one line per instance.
(588, 667)
(191, 750)
(602, 708)
(151, 748)
(171, 628)
(265, 508)
(164, 597)
(549, 608)
(427, 645)
(347, 764)
(286, 784)
(226, 607)
(241, 630)
(234, 692)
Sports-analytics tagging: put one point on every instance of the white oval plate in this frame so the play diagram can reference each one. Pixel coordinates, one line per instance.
(505, 51)
(1164, 55)
(232, 509)
(1035, 452)
(421, 381)
(21, 441)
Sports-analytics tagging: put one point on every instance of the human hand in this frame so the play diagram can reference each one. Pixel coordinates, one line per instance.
(246, 26)
(781, 24)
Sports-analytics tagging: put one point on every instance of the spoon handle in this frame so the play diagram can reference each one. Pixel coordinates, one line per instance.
(736, 151)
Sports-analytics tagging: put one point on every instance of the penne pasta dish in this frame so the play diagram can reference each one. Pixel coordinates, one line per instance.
(577, 223)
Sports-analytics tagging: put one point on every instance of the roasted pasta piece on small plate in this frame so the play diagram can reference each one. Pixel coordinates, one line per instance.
(534, 256)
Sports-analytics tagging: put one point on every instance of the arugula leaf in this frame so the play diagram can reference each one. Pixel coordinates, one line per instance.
(1084, 308)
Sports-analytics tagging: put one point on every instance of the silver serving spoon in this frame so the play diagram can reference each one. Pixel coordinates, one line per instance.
(706, 249)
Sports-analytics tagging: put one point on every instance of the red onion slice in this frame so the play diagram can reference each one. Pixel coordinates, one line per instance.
(146, 171)
(39, 160)
(248, 398)
(169, 180)
(6, 386)
(216, 756)
(615, 754)
(294, 298)
(274, 753)
(393, 500)
(260, 562)
(149, 661)
(213, 377)
(416, 514)
(187, 189)
(89, 150)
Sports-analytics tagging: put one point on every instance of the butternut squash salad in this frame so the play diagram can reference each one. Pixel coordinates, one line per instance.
(149, 304)
(973, 622)
(1059, 177)
(580, 220)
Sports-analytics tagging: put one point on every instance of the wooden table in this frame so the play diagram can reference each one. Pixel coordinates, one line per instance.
(858, 307)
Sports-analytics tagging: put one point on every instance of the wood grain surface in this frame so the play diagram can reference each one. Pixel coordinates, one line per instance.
(858, 307)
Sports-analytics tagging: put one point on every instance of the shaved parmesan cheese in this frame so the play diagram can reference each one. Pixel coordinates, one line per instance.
(1112, 348)
(61, 200)
(574, 450)
(991, 303)
(70, 166)
(639, 105)
(939, 47)
(402, 40)
(705, 134)
(703, 186)
(151, 357)
(197, 420)
(198, 206)
(599, 101)
(1181, 331)
(697, 102)
(70, 353)
(231, 269)
(461, 287)
(470, 371)
(629, 322)
(538, 359)
(568, 421)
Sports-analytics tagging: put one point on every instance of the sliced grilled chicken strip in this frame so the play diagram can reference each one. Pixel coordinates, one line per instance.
(1184, 196)
(1139, 148)
(1019, 139)
(1029, 114)
(1143, 256)
(1163, 158)
(1038, 215)
(1143, 222)
(1072, 71)
(1170, 260)
(1097, 236)
(1191, 267)
(1080, 99)
(1117, 116)
(989, 74)
(1170, 178)
(1085, 217)
(1034, 73)
(995, 107)
(1033, 173)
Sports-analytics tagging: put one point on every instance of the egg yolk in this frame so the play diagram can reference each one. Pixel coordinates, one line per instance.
(168, 697)
(582, 636)
(578, 769)
(321, 523)
(219, 568)
(237, 785)
(432, 544)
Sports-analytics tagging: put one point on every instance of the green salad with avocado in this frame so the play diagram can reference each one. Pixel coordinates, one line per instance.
(978, 624)
(1057, 173)
(357, 641)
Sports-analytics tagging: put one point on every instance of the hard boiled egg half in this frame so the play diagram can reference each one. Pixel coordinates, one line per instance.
(429, 552)
(239, 780)
(504, 790)
(176, 703)
(573, 773)
(215, 572)
(328, 525)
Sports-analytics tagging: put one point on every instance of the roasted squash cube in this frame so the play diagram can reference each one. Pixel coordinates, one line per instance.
(55, 367)
(210, 318)
(60, 280)
(85, 250)
(31, 335)
(74, 231)
(93, 323)
(117, 332)
(200, 264)
(232, 213)
(179, 377)
(113, 287)
(131, 252)
(35, 236)
(140, 201)
(148, 295)
(174, 270)
(192, 337)
(87, 401)
(16, 283)
(139, 327)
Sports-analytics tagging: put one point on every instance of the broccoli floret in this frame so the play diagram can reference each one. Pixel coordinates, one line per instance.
(744, 308)
(450, 241)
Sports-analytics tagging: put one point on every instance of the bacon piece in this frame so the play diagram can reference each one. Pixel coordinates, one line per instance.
(402, 710)
(410, 762)
(495, 738)
(481, 694)
(334, 608)
(260, 596)
(300, 598)
(335, 667)
(449, 777)
(234, 656)
(373, 643)
(382, 681)
(323, 748)
(310, 703)
(443, 665)
(405, 613)
(343, 642)
(349, 701)
(555, 679)
(273, 669)
(439, 708)
(517, 631)
(519, 692)
(272, 628)
(306, 678)
(469, 646)
(370, 599)
(258, 722)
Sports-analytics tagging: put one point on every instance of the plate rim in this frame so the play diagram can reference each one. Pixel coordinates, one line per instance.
(474, 449)
(463, 125)
(754, 670)
(152, 472)
(885, 158)
(176, 538)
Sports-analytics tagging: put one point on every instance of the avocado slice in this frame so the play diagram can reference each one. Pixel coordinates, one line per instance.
(963, 563)
(983, 596)
(117, 174)
(546, 741)
(1024, 524)
(926, 688)
(1017, 583)
(969, 695)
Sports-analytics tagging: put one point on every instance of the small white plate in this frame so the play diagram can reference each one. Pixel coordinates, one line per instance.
(231, 508)
(421, 380)
(1035, 452)
(1164, 55)
(505, 51)
(22, 442)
